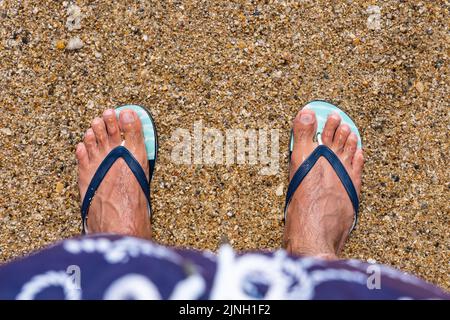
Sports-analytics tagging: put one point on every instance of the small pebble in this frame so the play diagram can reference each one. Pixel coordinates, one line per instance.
(279, 190)
(74, 16)
(439, 63)
(374, 19)
(75, 44)
(277, 74)
(419, 86)
(59, 187)
(424, 205)
(90, 104)
(60, 45)
(6, 131)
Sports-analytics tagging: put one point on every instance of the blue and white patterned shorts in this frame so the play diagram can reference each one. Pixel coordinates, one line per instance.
(114, 267)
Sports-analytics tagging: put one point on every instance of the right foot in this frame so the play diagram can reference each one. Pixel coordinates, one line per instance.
(320, 214)
(119, 205)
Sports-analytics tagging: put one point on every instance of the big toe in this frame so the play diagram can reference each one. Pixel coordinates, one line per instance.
(304, 129)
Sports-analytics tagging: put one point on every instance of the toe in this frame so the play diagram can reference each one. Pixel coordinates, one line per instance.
(340, 138)
(112, 126)
(304, 127)
(131, 126)
(90, 143)
(329, 129)
(82, 155)
(358, 162)
(350, 148)
(99, 128)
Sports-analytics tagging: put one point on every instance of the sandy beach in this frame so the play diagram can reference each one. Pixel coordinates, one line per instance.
(230, 65)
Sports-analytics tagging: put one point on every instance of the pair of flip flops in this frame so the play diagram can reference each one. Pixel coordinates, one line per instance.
(321, 108)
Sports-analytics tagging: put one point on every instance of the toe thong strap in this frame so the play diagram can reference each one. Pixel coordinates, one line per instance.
(308, 164)
(110, 159)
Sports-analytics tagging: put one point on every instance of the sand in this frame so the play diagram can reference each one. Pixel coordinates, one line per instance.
(245, 64)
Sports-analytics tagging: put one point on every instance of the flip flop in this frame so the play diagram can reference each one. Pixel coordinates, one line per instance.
(322, 109)
(151, 146)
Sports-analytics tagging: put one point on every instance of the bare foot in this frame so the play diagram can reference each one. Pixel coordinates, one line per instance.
(119, 205)
(320, 214)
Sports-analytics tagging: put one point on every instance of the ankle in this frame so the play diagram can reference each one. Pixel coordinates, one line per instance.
(300, 248)
(326, 256)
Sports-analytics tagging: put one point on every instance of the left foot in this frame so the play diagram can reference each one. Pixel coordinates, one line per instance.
(119, 205)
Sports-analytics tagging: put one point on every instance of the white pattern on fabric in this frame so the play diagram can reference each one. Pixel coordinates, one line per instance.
(237, 277)
(40, 282)
(120, 251)
(132, 287)
(190, 288)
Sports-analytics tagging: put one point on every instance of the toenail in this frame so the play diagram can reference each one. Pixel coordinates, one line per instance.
(306, 118)
(110, 121)
(334, 115)
(109, 113)
(128, 117)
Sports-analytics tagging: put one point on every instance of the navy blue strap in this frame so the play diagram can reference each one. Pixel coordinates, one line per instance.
(308, 164)
(103, 168)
